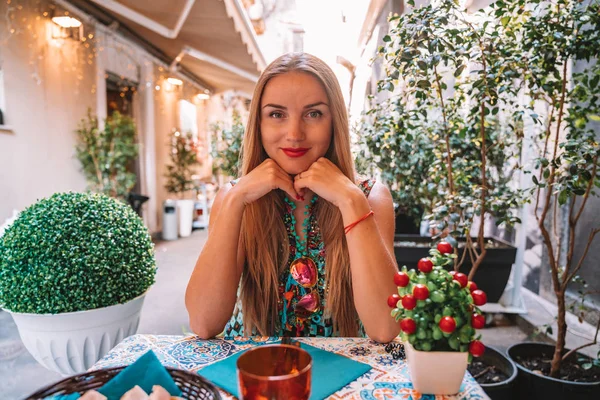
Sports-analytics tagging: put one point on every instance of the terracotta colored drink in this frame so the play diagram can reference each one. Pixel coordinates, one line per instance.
(274, 372)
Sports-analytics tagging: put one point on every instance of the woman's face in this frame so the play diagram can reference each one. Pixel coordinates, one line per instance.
(295, 122)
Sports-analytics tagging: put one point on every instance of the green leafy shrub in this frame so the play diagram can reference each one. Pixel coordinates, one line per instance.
(107, 154)
(447, 139)
(437, 310)
(184, 157)
(74, 252)
(228, 147)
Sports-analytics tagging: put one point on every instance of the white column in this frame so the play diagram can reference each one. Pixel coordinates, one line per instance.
(101, 111)
(149, 145)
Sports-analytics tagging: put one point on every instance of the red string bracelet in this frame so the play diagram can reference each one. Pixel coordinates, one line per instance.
(352, 225)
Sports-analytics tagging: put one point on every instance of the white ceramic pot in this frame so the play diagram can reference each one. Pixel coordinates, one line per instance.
(436, 372)
(70, 343)
(185, 209)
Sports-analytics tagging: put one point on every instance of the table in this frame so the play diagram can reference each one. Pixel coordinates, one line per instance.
(389, 378)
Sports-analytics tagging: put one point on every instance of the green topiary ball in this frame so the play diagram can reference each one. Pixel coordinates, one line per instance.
(74, 252)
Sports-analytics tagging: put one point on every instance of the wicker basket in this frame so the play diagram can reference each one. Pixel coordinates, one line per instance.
(193, 386)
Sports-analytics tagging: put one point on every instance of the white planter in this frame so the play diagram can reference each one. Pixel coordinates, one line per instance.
(185, 209)
(436, 372)
(70, 343)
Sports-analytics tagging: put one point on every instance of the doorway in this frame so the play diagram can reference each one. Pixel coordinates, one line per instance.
(120, 96)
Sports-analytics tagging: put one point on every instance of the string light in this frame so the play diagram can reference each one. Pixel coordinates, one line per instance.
(175, 81)
(32, 23)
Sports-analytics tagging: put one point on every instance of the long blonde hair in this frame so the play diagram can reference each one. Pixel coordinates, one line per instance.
(263, 232)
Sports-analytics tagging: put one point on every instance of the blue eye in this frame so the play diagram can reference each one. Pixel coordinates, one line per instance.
(315, 114)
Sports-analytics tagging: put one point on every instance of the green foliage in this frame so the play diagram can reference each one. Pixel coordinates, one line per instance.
(183, 157)
(105, 154)
(74, 252)
(446, 299)
(228, 147)
(575, 31)
(564, 106)
(403, 156)
(447, 139)
(457, 82)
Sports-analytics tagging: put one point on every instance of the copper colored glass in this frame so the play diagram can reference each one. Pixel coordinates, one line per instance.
(274, 372)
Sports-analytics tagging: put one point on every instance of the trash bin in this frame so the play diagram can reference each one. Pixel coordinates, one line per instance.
(169, 225)
(200, 214)
(201, 208)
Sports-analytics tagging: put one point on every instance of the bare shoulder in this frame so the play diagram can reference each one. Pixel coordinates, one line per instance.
(216, 204)
(221, 193)
(380, 197)
(380, 200)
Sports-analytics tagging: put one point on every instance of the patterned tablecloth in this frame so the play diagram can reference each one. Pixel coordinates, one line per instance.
(389, 378)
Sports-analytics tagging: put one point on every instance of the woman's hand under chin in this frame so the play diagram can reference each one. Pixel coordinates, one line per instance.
(261, 180)
(326, 180)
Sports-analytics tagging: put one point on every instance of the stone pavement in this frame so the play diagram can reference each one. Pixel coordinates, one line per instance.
(163, 313)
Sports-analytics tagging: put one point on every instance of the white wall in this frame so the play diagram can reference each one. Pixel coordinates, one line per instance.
(37, 157)
(48, 90)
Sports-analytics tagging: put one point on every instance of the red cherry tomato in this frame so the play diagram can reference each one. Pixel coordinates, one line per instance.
(472, 286)
(401, 279)
(476, 348)
(479, 297)
(393, 300)
(425, 265)
(409, 302)
(461, 278)
(477, 321)
(408, 326)
(444, 247)
(421, 292)
(447, 324)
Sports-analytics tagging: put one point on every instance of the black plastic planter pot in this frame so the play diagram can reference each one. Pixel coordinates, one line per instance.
(491, 276)
(504, 390)
(535, 386)
(406, 224)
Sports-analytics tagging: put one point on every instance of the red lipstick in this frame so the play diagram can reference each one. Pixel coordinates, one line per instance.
(295, 151)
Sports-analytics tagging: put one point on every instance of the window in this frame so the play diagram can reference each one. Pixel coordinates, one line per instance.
(188, 121)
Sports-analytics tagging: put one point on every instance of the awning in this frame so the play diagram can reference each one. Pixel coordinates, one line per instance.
(213, 40)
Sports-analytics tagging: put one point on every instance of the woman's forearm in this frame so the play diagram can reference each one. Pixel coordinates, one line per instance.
(212, 290)
(373, 269)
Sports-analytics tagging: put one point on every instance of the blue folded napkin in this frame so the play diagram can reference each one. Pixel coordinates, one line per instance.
(72, 396)
(146, 372)
(330, 372)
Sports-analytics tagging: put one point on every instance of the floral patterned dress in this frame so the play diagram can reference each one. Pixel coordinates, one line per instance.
(289, 291)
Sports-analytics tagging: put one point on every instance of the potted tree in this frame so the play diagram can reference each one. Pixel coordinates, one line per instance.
(560, 43)
(227, 147)
(438, 314)
(184, 157)
(106, 154)
(74, 270)
(404, 164)
(453, 118)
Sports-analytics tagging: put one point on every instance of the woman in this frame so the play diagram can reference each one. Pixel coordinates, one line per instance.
(308, 245)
